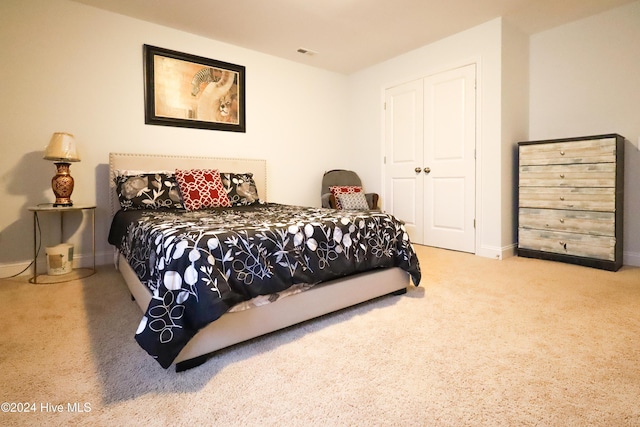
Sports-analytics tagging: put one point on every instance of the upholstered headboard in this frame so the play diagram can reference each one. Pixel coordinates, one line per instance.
(168, 162)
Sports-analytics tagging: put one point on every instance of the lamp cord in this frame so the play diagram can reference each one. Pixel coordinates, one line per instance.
(37, 252)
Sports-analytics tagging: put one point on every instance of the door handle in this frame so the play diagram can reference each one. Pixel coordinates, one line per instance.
(418, 170)
(427, 170)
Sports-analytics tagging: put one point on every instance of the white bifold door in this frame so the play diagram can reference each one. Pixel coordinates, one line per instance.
(430, 164)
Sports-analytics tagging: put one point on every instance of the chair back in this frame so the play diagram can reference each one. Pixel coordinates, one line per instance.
(339, 177)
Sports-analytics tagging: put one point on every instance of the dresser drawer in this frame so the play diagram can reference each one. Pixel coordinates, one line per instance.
(577, 175)
(589, 151)
(586, 199)
(594, 223)
(582, 245)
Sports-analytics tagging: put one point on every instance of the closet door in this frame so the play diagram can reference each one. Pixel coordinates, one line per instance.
(449, 159)
(430, 158)
(404, 184)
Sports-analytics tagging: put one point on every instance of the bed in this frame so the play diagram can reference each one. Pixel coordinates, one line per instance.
(317, 286)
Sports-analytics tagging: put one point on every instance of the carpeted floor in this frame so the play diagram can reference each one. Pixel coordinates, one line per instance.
(481, 342)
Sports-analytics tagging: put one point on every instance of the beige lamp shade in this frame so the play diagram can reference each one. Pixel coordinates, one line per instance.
(62, 148)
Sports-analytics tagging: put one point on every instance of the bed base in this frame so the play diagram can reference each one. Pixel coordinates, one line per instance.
(236, 327)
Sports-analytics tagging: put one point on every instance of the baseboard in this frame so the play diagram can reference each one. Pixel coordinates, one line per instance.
(631, 258)
(79, 261)
(495, 252)
(628, 258)
(107, 257)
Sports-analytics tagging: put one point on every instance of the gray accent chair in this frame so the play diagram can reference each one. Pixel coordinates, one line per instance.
(343, 177)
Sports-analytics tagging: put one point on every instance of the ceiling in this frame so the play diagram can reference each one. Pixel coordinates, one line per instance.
(346, 35)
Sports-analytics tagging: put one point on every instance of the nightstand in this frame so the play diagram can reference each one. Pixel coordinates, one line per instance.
(77, 273)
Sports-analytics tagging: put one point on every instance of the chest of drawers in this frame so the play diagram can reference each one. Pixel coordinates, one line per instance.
(570, 200)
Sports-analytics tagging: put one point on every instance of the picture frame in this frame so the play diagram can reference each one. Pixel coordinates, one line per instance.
(191, 91)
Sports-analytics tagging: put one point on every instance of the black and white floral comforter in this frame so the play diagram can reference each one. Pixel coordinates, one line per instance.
(200, 264)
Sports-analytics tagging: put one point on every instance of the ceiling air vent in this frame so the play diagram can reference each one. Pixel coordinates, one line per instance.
(307, 52)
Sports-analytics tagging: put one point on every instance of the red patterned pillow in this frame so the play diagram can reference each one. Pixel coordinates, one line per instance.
(202, 188)
(336, 190)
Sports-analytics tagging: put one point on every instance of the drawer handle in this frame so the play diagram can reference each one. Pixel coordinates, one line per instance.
(561, 197)
(561, 175)
(563, 244)
(561, 153)
(562, 220)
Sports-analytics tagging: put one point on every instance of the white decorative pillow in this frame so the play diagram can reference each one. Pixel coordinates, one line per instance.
(353, 201)
(337, 190)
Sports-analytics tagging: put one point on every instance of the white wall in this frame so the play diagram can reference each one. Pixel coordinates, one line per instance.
(69, 67)
(482, 45)
(74, 68)
(584, 81)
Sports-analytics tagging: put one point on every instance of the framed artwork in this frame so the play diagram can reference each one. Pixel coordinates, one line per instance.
(191, 91)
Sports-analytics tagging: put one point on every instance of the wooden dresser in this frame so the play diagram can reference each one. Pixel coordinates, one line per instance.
(570, 200)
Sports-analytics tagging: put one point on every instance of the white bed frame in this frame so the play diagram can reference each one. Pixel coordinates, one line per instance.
(236, 327)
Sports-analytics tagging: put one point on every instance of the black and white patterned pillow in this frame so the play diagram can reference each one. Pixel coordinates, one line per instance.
(241, 188)
(353, 201)
(148, 191)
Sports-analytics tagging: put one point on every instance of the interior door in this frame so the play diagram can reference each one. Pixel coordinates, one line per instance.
(404, 184)
(430, 158)
(449, 159)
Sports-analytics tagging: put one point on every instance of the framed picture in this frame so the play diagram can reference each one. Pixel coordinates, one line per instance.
(191, 91)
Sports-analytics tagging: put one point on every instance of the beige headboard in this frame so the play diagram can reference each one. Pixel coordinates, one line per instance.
(168, 162)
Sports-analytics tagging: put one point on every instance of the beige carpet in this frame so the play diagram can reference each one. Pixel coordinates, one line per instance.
(481, 342)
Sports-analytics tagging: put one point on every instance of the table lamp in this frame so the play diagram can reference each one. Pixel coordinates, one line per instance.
(62, 150)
